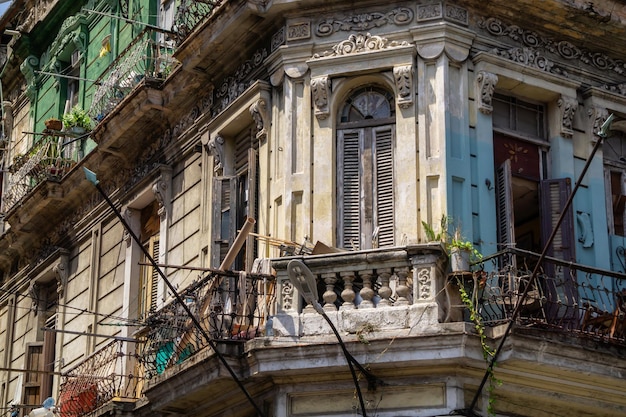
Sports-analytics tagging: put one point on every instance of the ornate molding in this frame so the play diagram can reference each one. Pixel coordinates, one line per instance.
(278, 39)
(436, 11)
(403, 76)
(286, 293)
(399, 16)
(486, 84)
(260, 113)
(616, 88)
(568, 106)
(216, 148)
(33, 293)
(531, 57)
(298, 31)
(234, 85)
(320, 90)
(357, 43)
(564, 49)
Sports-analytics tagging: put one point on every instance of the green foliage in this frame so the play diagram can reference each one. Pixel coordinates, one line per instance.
(442, 235)
(488, 351)
(451, 240)
(77, 117)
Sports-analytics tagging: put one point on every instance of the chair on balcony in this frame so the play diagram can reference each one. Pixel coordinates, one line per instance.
(611, 324)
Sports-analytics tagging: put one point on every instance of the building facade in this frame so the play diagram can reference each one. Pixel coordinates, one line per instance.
(232, 139)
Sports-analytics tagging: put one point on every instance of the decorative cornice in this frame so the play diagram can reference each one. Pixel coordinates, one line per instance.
(357, 43)
(486, 84)
(437, 11)
(564, 49)
(320, 90)
(617, 88)
(399, 16)
(403, 76)
(568, 106)
(233, 85)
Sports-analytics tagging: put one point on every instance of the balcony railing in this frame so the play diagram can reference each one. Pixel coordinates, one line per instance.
(565, 296)
(230, 307)
(107, 375)
(49, 159)
(147, 59)
(190, 14)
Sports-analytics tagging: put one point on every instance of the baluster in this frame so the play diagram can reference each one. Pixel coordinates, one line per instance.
(347, 294)
(384, 291)
(402, 290)
(329, 295)
(366, 293)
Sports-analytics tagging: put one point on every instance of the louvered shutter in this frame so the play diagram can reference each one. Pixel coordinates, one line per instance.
(253, 181)
(560, 282)
(221, 231)
(504, 205)
(383, 191)
(349, 188)
(154, 278)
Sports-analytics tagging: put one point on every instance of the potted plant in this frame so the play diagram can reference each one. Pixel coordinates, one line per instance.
(77, 120)
(53, 124)
(461, 251)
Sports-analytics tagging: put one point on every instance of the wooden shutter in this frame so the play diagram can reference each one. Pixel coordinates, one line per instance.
(148, 288)
(253, 182)
(349, 188)
(560, 283)
(504, 205)
(221, 231)
(154, 274)
(383, 190)
(49, 342)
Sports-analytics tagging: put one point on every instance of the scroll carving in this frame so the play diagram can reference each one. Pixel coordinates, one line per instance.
(216, 148)
(568, 106)
(486, 83)
(159, 188)
(358, 43)
(403, 76)
(423, 277)
(320, 89)
(260, 114)
(598, 116)
(61, 274)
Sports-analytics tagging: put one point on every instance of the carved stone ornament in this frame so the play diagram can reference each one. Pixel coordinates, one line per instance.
(486, 84)
(128, 214)
(357, 43)
(403, 76)
(531, 57)
(320, 90)
(159, 189)
(216, 148)
(298, 31)
(563, 48)
(61, 274)
(366, 21)
(423, 277)
(568, 106)
(33, 293)
(598, 116)
(287, 295)
(260, 114)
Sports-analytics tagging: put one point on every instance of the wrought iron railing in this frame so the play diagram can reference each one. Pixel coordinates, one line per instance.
(148, 58)
(565, 296)
(190, 14)
(49, 159)
(110, 373)
(230, 307)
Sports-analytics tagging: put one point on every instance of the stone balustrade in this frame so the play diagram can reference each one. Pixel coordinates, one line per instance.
(379, 289)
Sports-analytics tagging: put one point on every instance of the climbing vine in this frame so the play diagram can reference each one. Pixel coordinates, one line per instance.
(488, 351)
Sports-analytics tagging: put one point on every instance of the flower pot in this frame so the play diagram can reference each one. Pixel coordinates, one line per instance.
(53, 124)
(79, 130)
(460, 260)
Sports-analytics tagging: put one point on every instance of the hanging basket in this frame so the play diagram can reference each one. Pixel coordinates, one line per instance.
(460, 260)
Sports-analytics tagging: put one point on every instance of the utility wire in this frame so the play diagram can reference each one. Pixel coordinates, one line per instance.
(520, 302)
(92, 178)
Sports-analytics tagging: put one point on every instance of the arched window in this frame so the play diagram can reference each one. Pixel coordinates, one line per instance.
(365, 149)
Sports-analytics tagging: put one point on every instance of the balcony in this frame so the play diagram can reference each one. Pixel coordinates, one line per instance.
(49, 159)
(569, 298)
(147, 60)
(230, 307)
(190, 14)
(109, 375)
